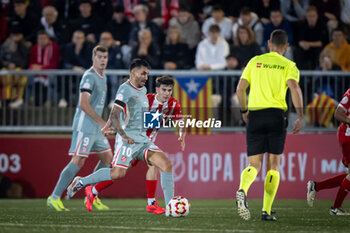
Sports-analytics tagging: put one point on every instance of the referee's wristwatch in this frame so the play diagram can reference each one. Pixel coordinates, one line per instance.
(243, 111)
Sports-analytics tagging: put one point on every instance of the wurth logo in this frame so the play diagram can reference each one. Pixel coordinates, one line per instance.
(258, 65)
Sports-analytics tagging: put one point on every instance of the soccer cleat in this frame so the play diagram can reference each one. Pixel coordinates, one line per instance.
(55, 204)
(267, 217)
(74, 187)
(155, 208)
(242, 205)
(338, 211)
(99, 205)
(89, 199)
(311, 192)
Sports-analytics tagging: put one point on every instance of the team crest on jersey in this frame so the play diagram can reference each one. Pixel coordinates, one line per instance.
(84, 149)
(345, 100)
(123, 159)
(86, 85)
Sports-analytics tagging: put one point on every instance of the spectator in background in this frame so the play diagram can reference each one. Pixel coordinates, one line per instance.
(189, 27)
(277, 22)
(233, 7)
(77, 54)
(115, 61)
(14, 52)
(328, 61)
(232, 62)
(67, 9)
(327, 9)
(89, 24)
(58, 31)
(218, 18)
(175, 52)
(263, 8)
(294, 10)
(341, 49)
(311, 37)
(146, 49)
(25, 19)
(248, 18)
(43, 56)
(120, 26)
(202, 9)
(102, 9)
(141, 22)
(212, 51)
(245, 45)
(14, 55)
(115, 58)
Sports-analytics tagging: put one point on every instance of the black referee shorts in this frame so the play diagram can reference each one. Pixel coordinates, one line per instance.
(266, 131)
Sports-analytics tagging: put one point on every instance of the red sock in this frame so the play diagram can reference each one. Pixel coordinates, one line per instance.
(102, 185)
(333, 182)
(342, 192)
(151, 186)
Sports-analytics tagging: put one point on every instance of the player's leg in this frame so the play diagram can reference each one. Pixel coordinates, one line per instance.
(313, 187)
(151, 186)
(272, 181)
(80, 147)
(158, 159)
(344, 188)
(105, 160)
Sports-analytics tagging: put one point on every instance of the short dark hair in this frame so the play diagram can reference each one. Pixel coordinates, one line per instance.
(337, 29)
(184, 8)
(138, 62)
(214, 28)
(217, 7)
(85, 1)
(166, 80)
(245, 11)
(42, 32)
(279, 37)
(99, 48)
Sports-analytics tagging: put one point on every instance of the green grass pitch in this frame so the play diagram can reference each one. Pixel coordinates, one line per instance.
(129, 215)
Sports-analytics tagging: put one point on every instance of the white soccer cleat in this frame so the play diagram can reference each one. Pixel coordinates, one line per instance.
(242, 205)
(74, 187)
(311, 193)
(338, 211)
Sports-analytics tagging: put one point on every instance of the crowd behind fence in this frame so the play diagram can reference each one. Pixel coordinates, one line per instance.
(26, 106)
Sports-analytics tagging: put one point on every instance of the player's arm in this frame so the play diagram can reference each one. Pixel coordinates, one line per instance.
(297, 99)
(182, 135)
(242, 97)
(340, 115)
(88, 109)
(115, 122)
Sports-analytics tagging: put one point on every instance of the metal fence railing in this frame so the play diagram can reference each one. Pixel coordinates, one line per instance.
(46, 100)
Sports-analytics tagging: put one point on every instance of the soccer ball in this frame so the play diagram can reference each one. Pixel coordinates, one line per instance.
(179, 207)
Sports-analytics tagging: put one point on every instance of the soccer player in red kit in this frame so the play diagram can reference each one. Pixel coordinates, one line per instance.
(342, 114)
(169, 108)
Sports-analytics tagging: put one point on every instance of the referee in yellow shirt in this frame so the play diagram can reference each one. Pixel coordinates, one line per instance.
(268, 76)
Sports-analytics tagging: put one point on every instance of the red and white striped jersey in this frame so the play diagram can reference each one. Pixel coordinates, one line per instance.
(344, 129)
(170, 109)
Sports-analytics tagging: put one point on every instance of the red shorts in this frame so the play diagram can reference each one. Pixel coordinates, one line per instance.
(346, 153)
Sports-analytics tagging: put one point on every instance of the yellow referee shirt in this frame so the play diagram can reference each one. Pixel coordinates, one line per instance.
(267, 75)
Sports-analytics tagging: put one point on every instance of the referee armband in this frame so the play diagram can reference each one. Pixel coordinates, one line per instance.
(86, 90)
(120, 103)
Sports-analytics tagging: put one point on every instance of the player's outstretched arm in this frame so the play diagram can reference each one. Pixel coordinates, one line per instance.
(297, 99)
(89, 110)
(340, 115)
(116, 123)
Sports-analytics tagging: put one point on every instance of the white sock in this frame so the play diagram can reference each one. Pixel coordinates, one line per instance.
(94, 191)
(150, 201)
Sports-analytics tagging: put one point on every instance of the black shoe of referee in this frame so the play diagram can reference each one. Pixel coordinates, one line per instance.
(267, 217)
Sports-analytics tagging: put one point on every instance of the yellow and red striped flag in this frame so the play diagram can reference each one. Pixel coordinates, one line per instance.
(320, 111)
(194, 95)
